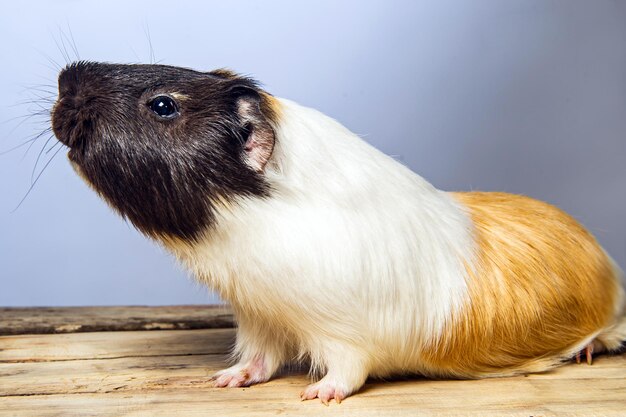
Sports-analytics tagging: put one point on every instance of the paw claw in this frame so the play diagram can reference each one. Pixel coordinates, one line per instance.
(589, 353)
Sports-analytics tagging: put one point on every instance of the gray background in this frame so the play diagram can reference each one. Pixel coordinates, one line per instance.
(519, 96)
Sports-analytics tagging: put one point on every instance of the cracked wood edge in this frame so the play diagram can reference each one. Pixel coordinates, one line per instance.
(46, 320)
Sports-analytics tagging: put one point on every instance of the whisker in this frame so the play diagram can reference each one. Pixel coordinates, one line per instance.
(52, 82)
(61, 38)
(53, 146)
(73, 42)
(25, 118)
(39, 93)
(64, 55)
(32, 174)
(28, 141)
(134, 52)
(36, 179)
(147, 33)
(40, 96)
(17, 146)
(50, 67)
(32, 142)
(38, 102)
(42, 87)
(55, 64)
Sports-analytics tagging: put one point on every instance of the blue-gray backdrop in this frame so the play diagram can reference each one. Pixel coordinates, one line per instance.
(520, 96)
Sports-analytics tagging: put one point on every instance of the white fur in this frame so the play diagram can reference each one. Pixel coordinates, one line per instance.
(354, 260)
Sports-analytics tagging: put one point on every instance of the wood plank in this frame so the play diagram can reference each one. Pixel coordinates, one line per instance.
(165, 373)
(101, 376)
(102, 345)
(520, 397)
(42, 320)
(141, 373)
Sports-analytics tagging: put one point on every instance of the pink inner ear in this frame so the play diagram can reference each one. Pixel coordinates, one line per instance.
(259, 148)
(260, 143)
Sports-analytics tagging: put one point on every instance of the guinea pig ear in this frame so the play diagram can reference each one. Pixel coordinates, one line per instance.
(258, 133)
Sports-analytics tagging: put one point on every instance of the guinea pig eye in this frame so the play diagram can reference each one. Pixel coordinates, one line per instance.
(164, 107)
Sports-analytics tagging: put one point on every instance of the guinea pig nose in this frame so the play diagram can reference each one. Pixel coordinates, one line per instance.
(72, 119)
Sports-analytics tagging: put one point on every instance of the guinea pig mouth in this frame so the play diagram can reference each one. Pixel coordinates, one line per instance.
(69, 123)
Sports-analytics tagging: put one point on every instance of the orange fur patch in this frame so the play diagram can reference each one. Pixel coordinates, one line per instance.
(270, 107)
(540, 285)
(224, 73)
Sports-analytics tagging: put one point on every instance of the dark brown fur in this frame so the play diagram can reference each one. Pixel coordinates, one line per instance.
(163, 175)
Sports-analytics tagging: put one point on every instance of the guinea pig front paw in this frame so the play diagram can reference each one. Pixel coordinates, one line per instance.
(241, 375)
(325, 389)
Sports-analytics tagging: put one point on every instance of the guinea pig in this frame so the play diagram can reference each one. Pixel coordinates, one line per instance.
(328, 250)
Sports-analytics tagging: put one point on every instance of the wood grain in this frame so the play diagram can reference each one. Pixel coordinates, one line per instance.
(167, 373)
(108, 345)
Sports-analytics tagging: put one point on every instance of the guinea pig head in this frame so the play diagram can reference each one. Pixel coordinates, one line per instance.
(165, 145)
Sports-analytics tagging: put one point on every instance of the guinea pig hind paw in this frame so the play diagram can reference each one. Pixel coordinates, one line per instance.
(588, 354)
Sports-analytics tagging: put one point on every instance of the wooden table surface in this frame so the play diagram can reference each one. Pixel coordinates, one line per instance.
(112, 361)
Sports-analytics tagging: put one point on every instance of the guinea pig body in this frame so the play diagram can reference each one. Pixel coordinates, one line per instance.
(348, 259)
(367, 269)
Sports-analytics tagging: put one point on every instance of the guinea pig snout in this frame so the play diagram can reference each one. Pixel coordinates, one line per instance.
(73, 115)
